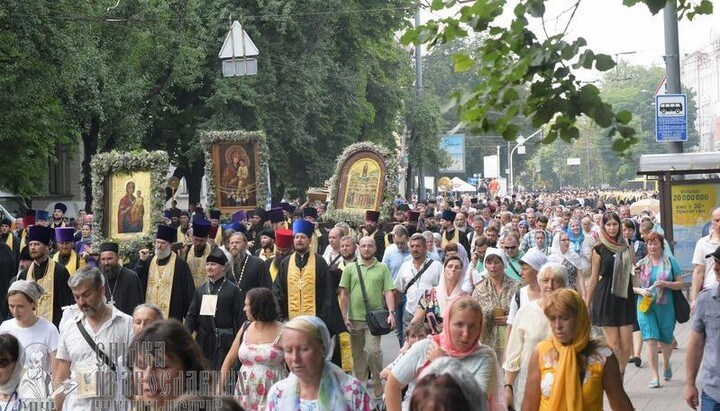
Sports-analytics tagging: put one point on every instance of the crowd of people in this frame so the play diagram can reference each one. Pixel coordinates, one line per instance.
(532, 302)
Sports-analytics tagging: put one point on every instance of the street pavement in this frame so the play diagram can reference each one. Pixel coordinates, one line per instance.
(669, 397)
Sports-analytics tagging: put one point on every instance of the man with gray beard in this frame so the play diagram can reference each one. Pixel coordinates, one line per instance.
(166, 278)
(122, 286)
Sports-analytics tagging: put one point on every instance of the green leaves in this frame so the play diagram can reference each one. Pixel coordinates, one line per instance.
(463, 62)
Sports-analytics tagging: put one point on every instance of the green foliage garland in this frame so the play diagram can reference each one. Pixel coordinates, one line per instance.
(208, 138)
(392, 170)
(119, 162)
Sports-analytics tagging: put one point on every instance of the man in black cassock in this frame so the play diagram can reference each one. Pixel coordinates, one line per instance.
(371, 229)
(246, 270)
(54, 283)
(450, 234)
(175, 301)
(122, 285)
(217, 327)
(326, 302)
(7, 237)
(8, 270)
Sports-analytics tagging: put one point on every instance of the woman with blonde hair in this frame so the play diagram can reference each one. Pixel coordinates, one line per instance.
(314, 382)
(570, 371)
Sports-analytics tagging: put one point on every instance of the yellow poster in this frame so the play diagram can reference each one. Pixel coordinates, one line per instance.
(363, 185)
(692, 206)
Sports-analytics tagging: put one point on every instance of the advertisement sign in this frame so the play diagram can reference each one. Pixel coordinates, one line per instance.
(692, 205)
(454, 146)
(490, 166)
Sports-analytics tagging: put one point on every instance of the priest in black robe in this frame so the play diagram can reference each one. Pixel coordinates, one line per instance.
(123, 288)
(8, 270)
(174, 300)
(9, 238)
(39, 238)
(325, 303)
(371, 229)
(450, 234)
(247, 271)
(216, 331)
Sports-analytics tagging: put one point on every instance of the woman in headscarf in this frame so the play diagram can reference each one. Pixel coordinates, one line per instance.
(611, 299)
(530, 327)
(569, 371)
(459, 339)
(314, 382)
(495, 293)
(435, 300)
(563, 252)
(12, 358)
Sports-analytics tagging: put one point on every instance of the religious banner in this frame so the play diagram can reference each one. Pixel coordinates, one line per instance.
(128, 197)
(236, 167)
(364, 180)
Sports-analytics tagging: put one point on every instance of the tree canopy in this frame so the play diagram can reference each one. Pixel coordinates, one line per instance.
(512, 59)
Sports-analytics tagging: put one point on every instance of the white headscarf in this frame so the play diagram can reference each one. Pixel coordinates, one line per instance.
(441, 291)
(11, 384)
(557, 256)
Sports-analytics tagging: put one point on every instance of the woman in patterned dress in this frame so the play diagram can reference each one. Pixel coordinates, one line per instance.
(256, 345)
(495, 293)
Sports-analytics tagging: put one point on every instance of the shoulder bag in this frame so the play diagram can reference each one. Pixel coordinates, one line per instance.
(377, 320)
(682, 308)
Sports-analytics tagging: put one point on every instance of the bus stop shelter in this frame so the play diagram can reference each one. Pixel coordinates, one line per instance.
(689, 189)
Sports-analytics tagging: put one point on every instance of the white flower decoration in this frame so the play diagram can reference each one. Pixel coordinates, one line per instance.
(546, 384)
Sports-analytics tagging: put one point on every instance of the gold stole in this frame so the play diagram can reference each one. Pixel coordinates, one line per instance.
(23, 239)
(218, 236)
(180, 235)
(46, 303)
(197, 264)
(160, 282)
(314, 241)
(301, 288)
(344, 338)
(72, 264)
(274, 269)
(9, 240)
(445, 241)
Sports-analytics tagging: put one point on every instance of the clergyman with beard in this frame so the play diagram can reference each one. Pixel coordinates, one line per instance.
(246, 270)
(166, 278)
(122, 286)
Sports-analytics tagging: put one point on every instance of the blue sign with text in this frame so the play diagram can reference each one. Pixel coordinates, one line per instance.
(670, 117)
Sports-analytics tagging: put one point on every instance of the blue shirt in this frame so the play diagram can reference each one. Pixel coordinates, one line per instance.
(706, 321)
(394, 258)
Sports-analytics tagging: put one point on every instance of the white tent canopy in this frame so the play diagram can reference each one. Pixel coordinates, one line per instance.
(462, 186)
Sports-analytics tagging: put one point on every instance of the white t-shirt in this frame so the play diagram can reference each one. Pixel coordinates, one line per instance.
(703, 247)
(430, 278)
(42, 333)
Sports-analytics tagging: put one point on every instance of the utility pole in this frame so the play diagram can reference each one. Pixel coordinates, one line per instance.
(672, 58)
(418, 97)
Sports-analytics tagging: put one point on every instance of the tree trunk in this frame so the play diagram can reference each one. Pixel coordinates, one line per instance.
(194, 180)
(408, 181)
(90, 140)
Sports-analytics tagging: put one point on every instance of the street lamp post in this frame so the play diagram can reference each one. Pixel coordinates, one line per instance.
(520, 141)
